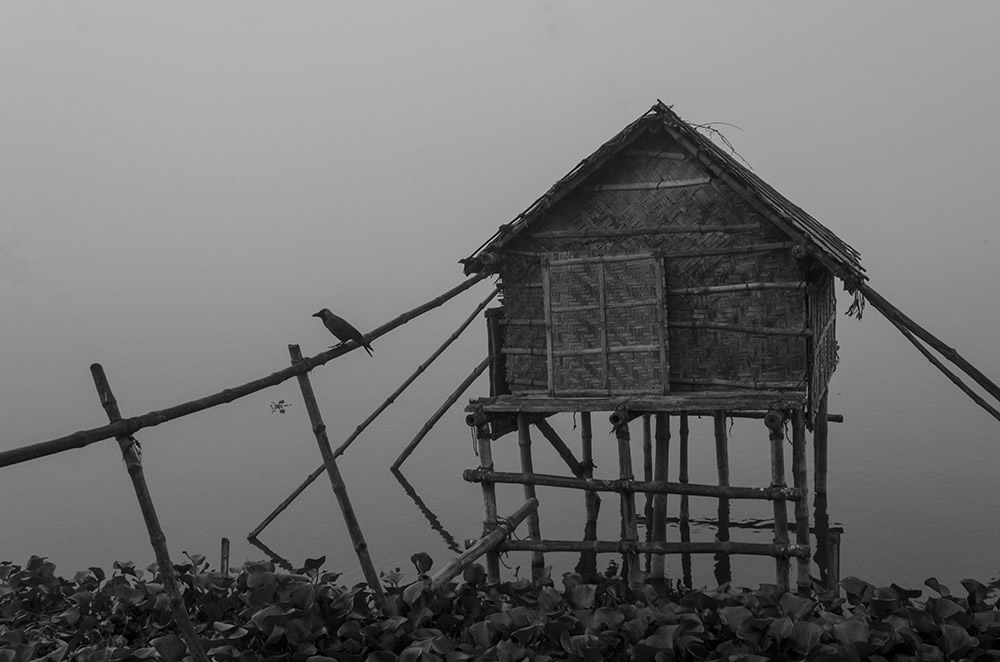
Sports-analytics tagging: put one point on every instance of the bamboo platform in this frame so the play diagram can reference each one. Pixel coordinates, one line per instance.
(735, 401)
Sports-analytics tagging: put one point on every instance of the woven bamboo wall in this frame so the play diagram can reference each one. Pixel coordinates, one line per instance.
(702, 217)
(823, 345)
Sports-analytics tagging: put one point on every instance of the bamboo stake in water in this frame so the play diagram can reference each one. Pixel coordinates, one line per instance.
(782, 566)
(368, 421)
(660, 472)
(484, 545)
(489, 500)
(442, 410)
(723, 567)
(587, 565)
(527, 468)
(133, 463)
(224, 558)
(800, 478)
(685, 514)
(630, 525)
(337, 481)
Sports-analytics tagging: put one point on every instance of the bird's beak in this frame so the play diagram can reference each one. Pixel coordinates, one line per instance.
(316, 315)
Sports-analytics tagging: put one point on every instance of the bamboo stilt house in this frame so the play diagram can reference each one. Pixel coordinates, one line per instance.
(662, 277)
(661, 265)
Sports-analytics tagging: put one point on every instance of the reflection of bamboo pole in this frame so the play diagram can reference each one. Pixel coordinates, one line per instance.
(278, 559)
(489, 500)
(442, 410)
(527, 467)
(133, 462)
(432, 519)
(132, 425)
(660, 471)
(800, 478)
(337, 481)
(364, 424)
(484, 545)
(782, 567)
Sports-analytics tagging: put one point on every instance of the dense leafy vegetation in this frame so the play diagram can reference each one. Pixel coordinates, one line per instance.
(258, 614)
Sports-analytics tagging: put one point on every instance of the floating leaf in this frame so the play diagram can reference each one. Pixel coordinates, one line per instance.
(937, 586)
(413, 592)
(170, 647)
(474, 574)
(795, 606)
(422, 562)
(805, 636)
(733, 617)
(851, 632)
(582, 596)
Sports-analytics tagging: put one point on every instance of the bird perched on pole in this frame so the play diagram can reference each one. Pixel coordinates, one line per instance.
(342, 329)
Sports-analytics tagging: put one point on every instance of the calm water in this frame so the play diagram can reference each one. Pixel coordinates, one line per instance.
(913, 472)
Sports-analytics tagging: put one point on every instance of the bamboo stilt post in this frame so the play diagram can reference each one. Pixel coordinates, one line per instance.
(559, 445)
(484, 545)
(489, 500)
(630, 525)
(774, 424)
(800, 478)
(647, 474)
(821, 430)
(224, 558)
(723, 567)
(660, 473)
(685, 514)
(592, 501)
(133, 463)
(527, 467)
(337, 481)
(368, 421)
(132, 425)
(442, 410)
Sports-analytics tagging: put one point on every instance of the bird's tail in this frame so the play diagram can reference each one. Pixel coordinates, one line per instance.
(368, 348)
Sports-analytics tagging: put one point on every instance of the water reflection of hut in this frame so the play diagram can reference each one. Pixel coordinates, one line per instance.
(660, 278)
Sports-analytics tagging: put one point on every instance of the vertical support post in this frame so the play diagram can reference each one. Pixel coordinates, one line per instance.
(489, 500)
(337, 480)
(820, 434)
(685, 514)
(527, 468)
(660, 473)
(224, 558)
(824, 556)
(587, 565)
(647, 475)
(630, 525)
(774, 420)
(133, 463)
(800, 479)
(834, 538)
(723, 566)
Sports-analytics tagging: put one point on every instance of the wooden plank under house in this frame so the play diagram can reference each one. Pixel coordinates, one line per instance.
(663, 277)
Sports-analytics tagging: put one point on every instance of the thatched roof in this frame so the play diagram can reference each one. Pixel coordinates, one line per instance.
(789, 218)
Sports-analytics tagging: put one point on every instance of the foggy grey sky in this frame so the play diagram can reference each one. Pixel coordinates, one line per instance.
(182, 184)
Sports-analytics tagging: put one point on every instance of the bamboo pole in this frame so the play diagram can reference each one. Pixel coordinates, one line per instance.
(723, 566)
(800, 478)
(821, 433)
(955, 379)
(368, 421)
(782, 567)
(432, 519)
(901, 321)
(276, 558)
(527, 467)
(337, 481)
(783, 551)
(442, 410)
(630, 524)
(630, 486)
(133, 463)
(592, 501)
(559, 445)
(820, 470)
(685, 512)
(130, 426)
(647, 475)
(489, 500)
(660, 472)
(224, 558)
(484, 545)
